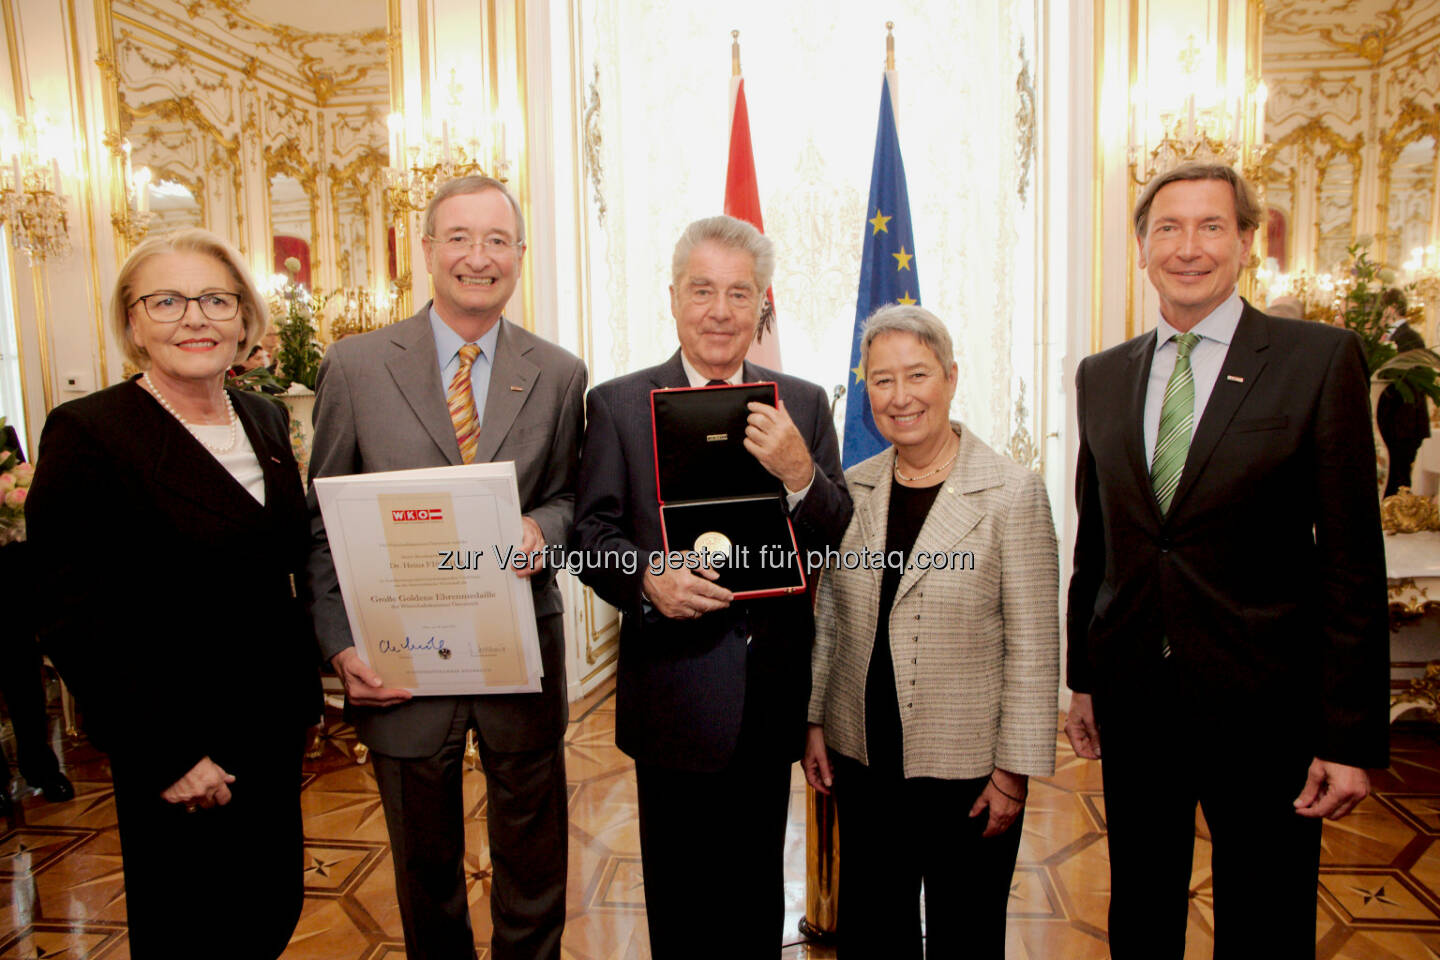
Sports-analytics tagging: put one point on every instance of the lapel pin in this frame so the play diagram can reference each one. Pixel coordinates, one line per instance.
(274, 459)
(517, 389)
(1234, 379)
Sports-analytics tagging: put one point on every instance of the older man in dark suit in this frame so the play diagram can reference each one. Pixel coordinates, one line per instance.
(712, 692)
(1227, 614)
(457, 383)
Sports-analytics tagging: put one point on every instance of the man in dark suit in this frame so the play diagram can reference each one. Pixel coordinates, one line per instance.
(420, 394)
(21, 683)
(1227, 613)
(711, 692)
(1404, 424)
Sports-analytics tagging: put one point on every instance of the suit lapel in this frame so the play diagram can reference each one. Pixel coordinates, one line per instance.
(512, 375)
(1243, 363)
(417, 375)
(190, 472)
(953, 515)
(1137, 374)
(670, 374)
(262, 444)
(873, 512)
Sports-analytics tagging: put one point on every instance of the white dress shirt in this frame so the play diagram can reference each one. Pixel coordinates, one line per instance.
(1216, 331)
(447, 354)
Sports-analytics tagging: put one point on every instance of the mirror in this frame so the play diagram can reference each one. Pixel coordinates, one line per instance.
(1350, 152)
(351, 238)
(1335, 201)
(268, 128)
(176, 206)
(1411, 202)
(290, 226)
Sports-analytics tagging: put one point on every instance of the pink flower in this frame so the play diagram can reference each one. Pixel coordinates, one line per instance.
(16, 497)
(7, 481)
(24, 472)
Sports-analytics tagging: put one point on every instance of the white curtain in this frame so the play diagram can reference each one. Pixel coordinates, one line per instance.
(813, 75)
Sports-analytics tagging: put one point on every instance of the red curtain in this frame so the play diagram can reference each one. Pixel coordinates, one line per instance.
(1275, 237)
(300, 250)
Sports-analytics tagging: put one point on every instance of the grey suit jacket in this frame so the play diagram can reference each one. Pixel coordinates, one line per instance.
(380, 405)
(976, 645)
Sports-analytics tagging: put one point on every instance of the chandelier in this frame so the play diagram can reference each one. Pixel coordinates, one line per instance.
(470, 142)
(359, 310)
(1194, 123)
(32, 201)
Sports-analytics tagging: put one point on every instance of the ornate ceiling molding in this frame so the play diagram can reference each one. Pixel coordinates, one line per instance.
(320, 66)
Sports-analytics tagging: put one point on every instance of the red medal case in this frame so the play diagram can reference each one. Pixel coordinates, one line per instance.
(707, 481)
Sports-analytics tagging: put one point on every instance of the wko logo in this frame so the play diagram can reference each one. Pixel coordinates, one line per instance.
(405, 516)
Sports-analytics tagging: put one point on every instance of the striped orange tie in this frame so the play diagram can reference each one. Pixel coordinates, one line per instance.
(461, 400)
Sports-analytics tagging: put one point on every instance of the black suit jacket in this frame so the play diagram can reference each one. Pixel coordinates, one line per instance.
(169, 594)
(1403, 421)
(681, 689)
(1268, 574)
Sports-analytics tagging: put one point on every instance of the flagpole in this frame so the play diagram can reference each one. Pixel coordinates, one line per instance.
(735, 76)
(891, 73)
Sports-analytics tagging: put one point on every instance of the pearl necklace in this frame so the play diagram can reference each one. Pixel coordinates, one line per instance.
(229, 412)
(926, 476)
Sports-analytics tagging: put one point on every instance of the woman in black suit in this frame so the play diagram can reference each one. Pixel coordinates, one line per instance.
(168, 519)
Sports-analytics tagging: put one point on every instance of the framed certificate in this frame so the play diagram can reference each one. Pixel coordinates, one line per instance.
(426, 562)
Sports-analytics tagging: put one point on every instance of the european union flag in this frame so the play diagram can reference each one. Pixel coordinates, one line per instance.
(887, 274)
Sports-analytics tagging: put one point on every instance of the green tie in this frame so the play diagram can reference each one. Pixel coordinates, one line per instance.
(1177, 418)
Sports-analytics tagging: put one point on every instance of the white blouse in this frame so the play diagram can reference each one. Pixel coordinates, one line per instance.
(241, 461)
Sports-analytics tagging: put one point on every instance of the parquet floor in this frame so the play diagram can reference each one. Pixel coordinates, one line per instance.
(61, 891)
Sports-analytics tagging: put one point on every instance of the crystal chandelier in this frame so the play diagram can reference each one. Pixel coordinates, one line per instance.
(1194, 123)
(32, 201)
(470, 142)
(359, 310)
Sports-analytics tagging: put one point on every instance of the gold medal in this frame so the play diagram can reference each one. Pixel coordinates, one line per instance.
(712, 541)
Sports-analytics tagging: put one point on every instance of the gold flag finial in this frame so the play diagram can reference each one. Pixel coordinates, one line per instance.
(889, 44)
(734, 53)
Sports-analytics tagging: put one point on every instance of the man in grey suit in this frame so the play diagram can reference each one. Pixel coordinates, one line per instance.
(399, 398)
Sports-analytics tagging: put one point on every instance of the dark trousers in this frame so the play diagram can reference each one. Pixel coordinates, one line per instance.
(24, 692)
(897, 832)
(712, 846)
(1402, 462)
(1164, 752)
(226, 882)
(526, 815)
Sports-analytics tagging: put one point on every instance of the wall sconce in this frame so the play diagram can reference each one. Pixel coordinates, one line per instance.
(32, 199)
(133, 222)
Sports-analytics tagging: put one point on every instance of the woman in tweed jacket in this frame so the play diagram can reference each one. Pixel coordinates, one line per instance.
(936, 662)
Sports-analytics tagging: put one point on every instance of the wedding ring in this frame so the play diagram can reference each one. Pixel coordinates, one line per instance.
(190, 808)
(712, 541)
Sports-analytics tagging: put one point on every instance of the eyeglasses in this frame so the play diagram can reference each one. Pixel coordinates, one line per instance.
(494, 246)
(739, 298)
(170, 307)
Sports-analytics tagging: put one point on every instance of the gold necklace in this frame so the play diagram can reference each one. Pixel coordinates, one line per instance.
(926, 476)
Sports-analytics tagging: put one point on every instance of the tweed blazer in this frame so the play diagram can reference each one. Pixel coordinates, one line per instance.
(976, 645)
